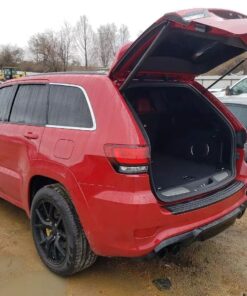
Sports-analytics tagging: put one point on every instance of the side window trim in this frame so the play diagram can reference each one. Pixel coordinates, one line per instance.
(93, 128)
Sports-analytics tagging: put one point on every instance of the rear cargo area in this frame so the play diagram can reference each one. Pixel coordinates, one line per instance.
(191, 142)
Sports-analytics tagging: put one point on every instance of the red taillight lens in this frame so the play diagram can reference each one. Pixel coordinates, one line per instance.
(129, 159)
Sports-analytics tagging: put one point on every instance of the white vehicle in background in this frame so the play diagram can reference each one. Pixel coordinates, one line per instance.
(238, 89)
(239, 108)
(218, 92)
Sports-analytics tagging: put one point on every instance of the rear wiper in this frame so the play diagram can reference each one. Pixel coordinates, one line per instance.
(227, 73)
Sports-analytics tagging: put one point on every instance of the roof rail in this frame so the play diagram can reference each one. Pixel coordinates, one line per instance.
(100, 72)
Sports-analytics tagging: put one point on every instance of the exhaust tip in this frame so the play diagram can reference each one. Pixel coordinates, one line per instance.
(175, 249)
(172, 249)
(242, 211)
(163, 253)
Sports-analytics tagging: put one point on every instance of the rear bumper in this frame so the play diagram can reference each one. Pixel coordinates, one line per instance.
(135, 224)
(204, 232)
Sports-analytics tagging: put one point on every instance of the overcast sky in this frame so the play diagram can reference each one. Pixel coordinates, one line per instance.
(20, 19)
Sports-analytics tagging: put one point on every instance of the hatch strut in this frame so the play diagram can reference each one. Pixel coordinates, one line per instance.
(148, 52)
(228, 72)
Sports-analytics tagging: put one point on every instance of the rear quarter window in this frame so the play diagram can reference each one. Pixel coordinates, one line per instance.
(68, 107)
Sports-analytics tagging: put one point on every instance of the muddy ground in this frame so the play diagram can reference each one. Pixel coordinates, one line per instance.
(216, 267)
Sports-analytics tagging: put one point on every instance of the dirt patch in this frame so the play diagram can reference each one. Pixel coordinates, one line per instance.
(215, 267)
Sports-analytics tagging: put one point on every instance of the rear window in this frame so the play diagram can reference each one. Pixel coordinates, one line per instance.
(68, 107)
(6, 96)
(240, 111)
(30, 105)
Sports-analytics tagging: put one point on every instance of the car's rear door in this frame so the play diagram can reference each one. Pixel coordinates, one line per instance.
(6, 98)
(20, 138)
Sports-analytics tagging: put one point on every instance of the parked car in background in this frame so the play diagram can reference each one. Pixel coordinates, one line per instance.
(238, 106)
(138, 162)
(238, 89)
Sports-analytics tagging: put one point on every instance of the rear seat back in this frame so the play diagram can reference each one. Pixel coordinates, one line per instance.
(149, 116)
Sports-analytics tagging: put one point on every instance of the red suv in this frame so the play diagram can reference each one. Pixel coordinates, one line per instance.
(137, 162)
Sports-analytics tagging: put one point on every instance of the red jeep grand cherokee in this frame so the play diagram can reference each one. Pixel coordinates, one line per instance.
(132, 163)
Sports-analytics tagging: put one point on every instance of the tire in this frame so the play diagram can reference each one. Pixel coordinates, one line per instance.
(57, 232)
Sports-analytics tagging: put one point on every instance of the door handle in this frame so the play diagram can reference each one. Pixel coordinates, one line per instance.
(31, 136)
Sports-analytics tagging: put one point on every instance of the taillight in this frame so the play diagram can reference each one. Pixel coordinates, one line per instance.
(128, 159)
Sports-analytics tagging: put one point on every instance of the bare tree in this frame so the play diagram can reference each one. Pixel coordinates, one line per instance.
(65, 38)
(84, 36)
(45, 49)
(55, 50)
(34, 48)
(11, 55)
(107, 43)
(123, 35)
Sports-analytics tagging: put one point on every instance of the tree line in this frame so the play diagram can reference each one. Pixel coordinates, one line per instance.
(70, 48)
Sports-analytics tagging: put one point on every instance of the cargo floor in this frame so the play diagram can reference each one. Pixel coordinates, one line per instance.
(170, 171)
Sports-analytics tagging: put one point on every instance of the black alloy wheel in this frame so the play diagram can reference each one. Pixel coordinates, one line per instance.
(58, 235)
(49, 231)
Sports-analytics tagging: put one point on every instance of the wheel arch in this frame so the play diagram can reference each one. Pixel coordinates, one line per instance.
(45, 173)
(35, 184)
(66, 180)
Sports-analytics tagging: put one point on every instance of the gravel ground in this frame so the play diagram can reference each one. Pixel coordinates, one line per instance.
(217, 267)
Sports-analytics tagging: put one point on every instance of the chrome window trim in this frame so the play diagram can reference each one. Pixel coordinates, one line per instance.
(93, 128)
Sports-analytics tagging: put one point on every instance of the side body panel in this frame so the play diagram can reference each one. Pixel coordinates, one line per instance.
(81, 152)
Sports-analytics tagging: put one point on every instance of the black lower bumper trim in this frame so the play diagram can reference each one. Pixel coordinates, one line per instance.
(204, 232)
(192, 205)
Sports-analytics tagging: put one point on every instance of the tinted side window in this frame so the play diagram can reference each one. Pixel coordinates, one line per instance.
(68, 107)
(30, 105)
(6, 96)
